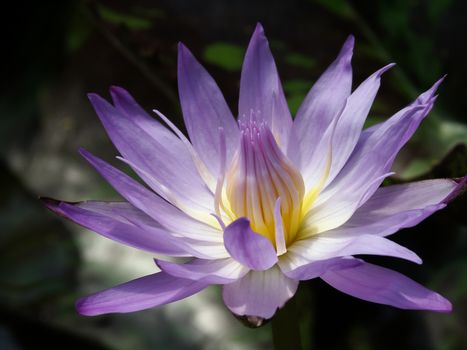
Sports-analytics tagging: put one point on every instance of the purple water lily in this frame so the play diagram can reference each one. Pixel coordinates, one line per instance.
(263, 202)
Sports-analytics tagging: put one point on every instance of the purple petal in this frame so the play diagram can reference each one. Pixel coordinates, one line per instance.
(350, 123)
(366, 168)
(169, 173)
(177, 146)
(259, 293)
(121, 223)
(167, 215)
(220, 271)
(313, 269)
(380, 285)
(130, 109)
(261, 89)
(247, 247)
(322, 248)
(394, 207)
(317, 114)
(120, 211)
(383, 226)
(415, 195)
(204, 111)
(142, 293)
(204, 172)
(461, 185)
(199, 248)
(423, 99)
(112, 222)
(429, 94)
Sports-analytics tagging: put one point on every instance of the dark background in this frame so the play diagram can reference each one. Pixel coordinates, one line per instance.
(55, 52)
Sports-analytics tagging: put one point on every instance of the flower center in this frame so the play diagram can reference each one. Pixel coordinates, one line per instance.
(259, 175)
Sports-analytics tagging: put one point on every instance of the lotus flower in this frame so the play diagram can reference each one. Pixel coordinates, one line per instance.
(263, 202)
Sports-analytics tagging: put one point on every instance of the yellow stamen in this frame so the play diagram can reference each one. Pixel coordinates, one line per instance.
(259, 175)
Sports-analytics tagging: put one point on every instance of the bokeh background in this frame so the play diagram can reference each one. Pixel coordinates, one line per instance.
(57, 51)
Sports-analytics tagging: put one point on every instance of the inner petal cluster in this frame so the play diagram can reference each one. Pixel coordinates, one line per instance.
(258, 177)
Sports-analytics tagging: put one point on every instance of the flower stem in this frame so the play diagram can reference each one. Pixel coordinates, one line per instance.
(286, 328)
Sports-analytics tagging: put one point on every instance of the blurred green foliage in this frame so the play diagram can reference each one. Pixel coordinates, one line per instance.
(296, 91)
(224, 55)
(300, 60)
(120, 18)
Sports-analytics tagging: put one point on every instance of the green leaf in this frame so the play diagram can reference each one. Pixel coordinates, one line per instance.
(416, 167)
(338, 7)
(149, 12)
(297, 86)
(437, 8)
(78, 31)
(294, 102)
(296, 91)
(372, 120)
(225, 55)
(299, 60)
(131, 21)
(432, 143)
(453, 165)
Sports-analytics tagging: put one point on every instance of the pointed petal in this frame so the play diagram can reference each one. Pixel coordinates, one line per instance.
(132, 111)
(247, 247)
(115, 225)
(259, 293)
(289, 266)
(461, 186)
(430, 93)
(366, 168)
(380, 285)
(323, 104)
(167, 215)
(422, 99)
(323, 248)
(385, 225)
(177, 145)
(142, 293)
(119, 223)
(203, 171)
(350, 123)
(220, 271)
(169, 173)
(199, 214)
(394, 207)
(415, 195)
(261, 89)
(204, 111)
(120, 211)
